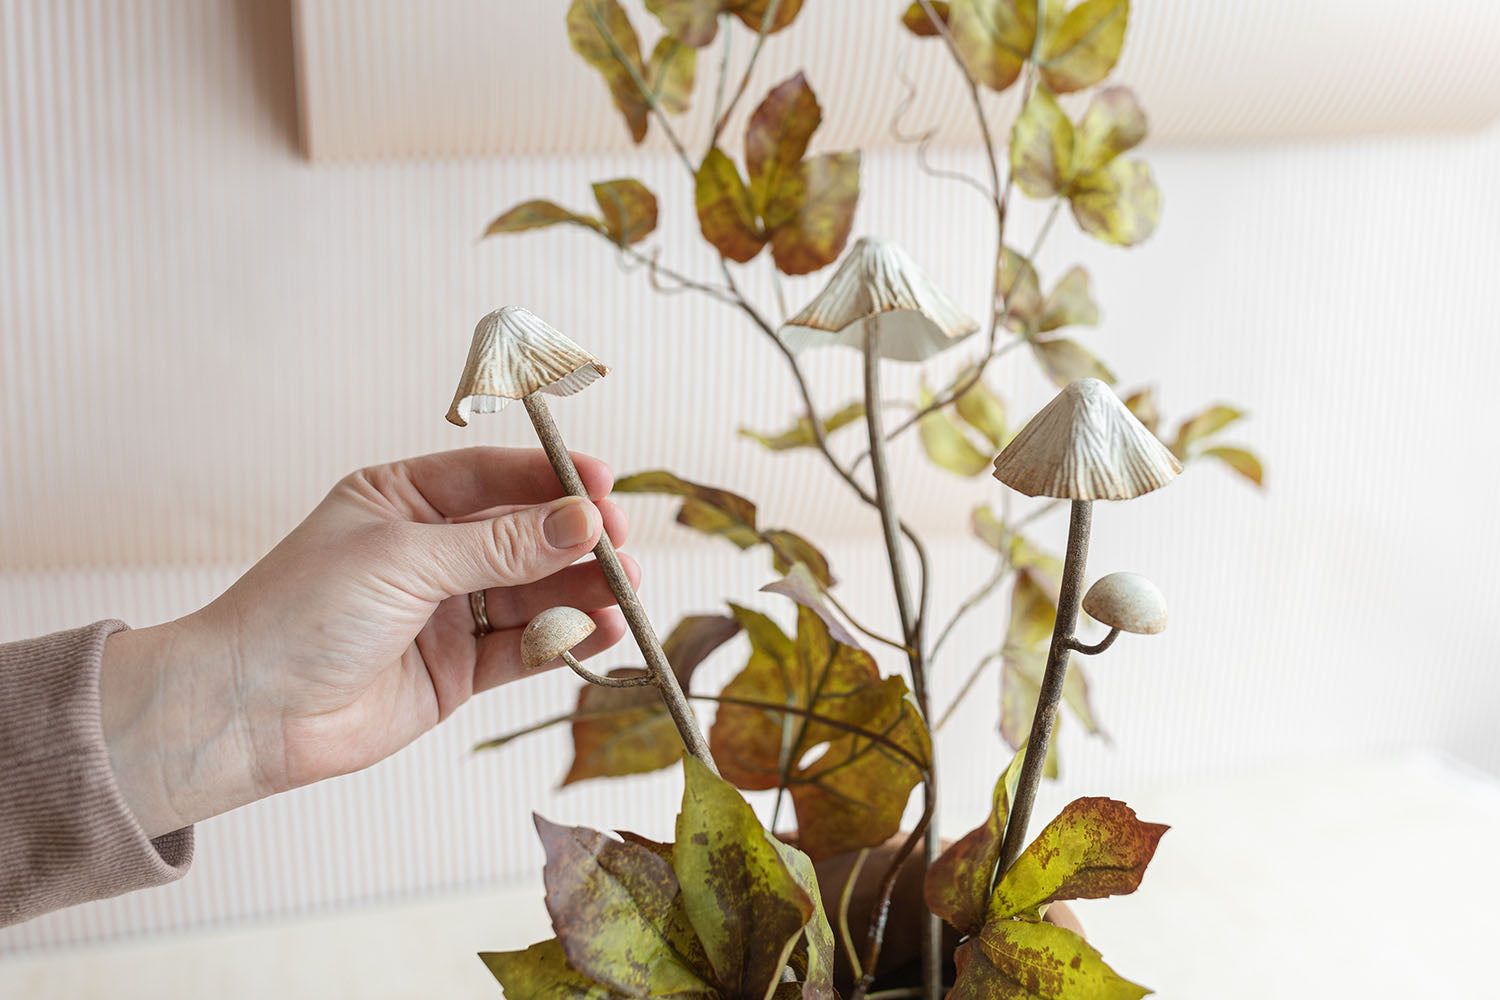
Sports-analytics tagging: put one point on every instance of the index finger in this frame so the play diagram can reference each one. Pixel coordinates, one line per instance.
(461, 482)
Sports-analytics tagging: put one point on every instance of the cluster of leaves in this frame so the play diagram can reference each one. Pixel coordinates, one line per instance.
(1095, 847)
(716, 915)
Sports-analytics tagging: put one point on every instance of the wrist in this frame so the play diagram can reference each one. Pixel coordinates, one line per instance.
(176, 733)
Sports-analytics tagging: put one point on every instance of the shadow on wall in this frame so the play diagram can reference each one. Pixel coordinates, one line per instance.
(265, 47)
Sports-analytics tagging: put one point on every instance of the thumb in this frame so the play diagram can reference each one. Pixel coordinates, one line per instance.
(516, 548)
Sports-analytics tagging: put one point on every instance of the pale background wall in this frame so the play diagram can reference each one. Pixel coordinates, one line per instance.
(200, 331)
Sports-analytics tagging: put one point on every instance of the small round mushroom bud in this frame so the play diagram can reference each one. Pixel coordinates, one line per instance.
(552, 633)
(1128, 602)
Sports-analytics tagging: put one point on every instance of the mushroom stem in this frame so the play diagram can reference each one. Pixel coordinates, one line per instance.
(600, 679)
(619, 584)
(1052, 683)
(1097, 647)
(890, 525)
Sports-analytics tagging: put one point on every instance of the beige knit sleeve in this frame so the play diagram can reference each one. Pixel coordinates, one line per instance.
(66, 834)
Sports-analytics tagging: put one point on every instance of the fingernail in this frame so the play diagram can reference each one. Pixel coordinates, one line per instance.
(571, 523)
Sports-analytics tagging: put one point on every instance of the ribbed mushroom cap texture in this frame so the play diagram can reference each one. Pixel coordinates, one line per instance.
(1128, 602)
(514, 354)
(877, 281)
(551, 633)
(1086, 445)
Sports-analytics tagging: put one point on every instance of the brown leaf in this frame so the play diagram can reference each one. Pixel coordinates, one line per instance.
(777, 135)
(602, 34)
(1066, 360)
(538, 214)
(670, 74)
(1240, 460)
(800, 585)
(691, 22)
(725, 214)
(810, 214)
(1085, 47)
(753, 12)
(1095, 847)
(628, 207)
(995, 37)
(704, 508)
(800, 434)
(957, 886)
(916, 21)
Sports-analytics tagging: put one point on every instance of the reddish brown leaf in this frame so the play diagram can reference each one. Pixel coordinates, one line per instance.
(810, 214)
(725, 214)
(753, 12)
(705, 508)
(916, 20)
(628, 207)
(777, 134)
(692, 22)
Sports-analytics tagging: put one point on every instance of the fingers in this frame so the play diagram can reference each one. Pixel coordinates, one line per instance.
(507, 551)
(581, 586)
(455, 483)
(616, 523)
(499, 660)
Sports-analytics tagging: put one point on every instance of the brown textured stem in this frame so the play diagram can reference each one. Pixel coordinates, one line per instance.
(602, 681)
(1052, 683)
(619, 585)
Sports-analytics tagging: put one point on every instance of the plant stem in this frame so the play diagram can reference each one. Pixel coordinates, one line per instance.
(965, 688)
(766, 20)
(1052, 683)
(843, 915)
(619, 585)
(882, 911)
(641, 680)
(647, 94)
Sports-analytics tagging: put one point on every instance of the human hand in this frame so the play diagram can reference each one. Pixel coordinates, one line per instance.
(354, 636)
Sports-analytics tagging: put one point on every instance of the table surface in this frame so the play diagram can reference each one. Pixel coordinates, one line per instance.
(1370, 878)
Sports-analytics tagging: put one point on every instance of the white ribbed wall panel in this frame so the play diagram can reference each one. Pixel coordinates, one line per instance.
(200, 332)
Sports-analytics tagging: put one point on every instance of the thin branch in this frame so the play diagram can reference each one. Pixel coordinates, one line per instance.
(767, 19)
(655, 268)
(843, 915)
(639, 680)
(925, 138)
(963, 691)
(1002, 570)
(860, 628)
(826, 720)
(647, 94)
(723, 73)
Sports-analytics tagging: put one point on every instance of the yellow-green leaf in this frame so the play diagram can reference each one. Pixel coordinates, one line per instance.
(1095, 847)
(1026, 960)
(817, 936)
(988, 527)
(747, 909)
(725, 214)
(1142, 403)
(945, 444)
(982, 410)
(1066, 360)
(915, 19)
(957, 886)
(1020, 687)
(704, 508)
(1070, 303)
(1240, 460)
(691, 22)
(1085, 47)
(995, 37)
(1041, 147)
(539, 214)
(777, 135)
(1118, 203)
(1113, 124)
(1020, 291)
(1211, 421)
(628, 207)
(602, 34)
(810, 212)
(800, 434)
(541, 972)
(1033, 613)
(670, 74)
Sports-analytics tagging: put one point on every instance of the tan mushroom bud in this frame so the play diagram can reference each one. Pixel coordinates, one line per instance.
(1128, 602)
(552, 633)
(514, 354)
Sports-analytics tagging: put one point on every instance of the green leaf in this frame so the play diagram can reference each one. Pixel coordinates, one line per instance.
(541, 972)
(622, 731)
(957, 886)
(725, 215)
(1033, 612)
(629, 209)
(752, 12)
(945, 444)
(1025, 960)
(1113, 124)
(1142, 403)
(800, 434)
(916, 21)
(1199, 426)
(746, 907)
(1070, 303)
(1041, 147)
(1020, 291)
(1086, 46)
(988, 527)
(810, 213)
(1117, 204)
(1095, 847)
(705, 508)
(1020, 687)
(602, 34)
(691, 22)
(618, 914)
(538, 214)
(1240, 460)
(777, 135)
(995, 37)
(1065, 360)
(670, 74)
(817, 936)
(982, 410)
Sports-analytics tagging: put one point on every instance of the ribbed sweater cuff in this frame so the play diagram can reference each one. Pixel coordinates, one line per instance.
(66, 834)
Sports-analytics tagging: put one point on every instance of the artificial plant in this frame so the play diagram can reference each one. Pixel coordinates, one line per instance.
(730, 909)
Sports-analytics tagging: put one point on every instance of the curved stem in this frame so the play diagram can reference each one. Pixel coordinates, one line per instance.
(825, 720)
(642, 680)
(845, 936)
(1097, 647)
(619, 584)
(1052, 684)
(963, 691)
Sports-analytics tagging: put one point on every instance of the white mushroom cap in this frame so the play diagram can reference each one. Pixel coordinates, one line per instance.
(1128, 602)
(514, 354)
(551, 633)
(879, 282)
(1086, 445)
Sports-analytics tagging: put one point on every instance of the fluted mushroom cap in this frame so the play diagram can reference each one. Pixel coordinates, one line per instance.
(1128, 602)
(514, 354)
(879, 282)
(551, 633)
(1086, 445)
